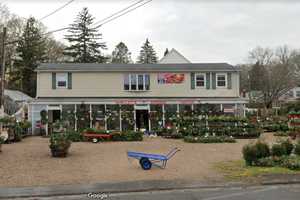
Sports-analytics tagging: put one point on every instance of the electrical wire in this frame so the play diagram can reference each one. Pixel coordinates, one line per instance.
(124, 13)
(56, 10)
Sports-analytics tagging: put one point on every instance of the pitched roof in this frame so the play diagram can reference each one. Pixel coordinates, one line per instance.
(174, 57)
(93, 67)
(16, 95)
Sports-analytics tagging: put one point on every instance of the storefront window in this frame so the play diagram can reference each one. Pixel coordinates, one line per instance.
(170, 114)
(68, 115)
(127, 117)
(207, 109)
(185, 110)
(98, 117)
(156, 117)
(113, 117)
(83, 116)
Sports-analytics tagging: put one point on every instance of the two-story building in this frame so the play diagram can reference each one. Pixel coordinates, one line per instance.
(134, 96)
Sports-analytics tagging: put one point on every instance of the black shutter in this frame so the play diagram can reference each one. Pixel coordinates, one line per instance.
(207, 80)
(213, 80)
(229, 81)
(53, 80)
(69, 80)
(192, 80)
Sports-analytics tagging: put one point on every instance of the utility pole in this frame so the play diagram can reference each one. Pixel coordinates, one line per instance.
(3, 70)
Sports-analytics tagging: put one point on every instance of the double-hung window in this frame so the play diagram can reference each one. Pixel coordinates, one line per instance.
(221, 80)
(200, 80)
(136, 82)
(61, 80)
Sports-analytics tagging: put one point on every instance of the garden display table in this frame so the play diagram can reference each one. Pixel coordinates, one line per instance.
(96, 137)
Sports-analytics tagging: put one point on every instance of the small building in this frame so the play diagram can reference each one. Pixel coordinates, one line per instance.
(134, 96)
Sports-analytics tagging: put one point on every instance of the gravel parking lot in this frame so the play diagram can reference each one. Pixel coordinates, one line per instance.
(29, 162)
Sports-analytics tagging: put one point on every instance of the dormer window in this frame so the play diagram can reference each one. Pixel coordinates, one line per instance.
(136, 82)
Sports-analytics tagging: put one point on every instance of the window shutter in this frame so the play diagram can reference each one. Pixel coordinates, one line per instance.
(53, 80)
(214, 80)
(229, 81)
(69, 80)
(192, 80)
(207, 80)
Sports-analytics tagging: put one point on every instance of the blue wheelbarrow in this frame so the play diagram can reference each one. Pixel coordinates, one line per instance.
(146, 160)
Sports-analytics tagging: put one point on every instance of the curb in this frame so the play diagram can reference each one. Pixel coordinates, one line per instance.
(124, 187)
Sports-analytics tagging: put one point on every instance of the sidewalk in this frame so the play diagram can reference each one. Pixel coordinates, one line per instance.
(136, 186)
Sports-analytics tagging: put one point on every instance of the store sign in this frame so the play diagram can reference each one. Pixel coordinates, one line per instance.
(170, 78)
(141, 107)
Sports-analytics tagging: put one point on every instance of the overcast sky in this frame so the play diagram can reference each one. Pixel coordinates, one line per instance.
(203, 31)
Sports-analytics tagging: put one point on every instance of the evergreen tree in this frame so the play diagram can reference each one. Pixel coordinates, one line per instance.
(147, 54)
(85, 46)
(30, 51)
(166, 51)
(121, 54)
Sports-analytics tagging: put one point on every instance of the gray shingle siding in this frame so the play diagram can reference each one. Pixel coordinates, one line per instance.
(91, 67)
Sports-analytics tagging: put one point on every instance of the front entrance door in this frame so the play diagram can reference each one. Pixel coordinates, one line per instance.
(142, 119)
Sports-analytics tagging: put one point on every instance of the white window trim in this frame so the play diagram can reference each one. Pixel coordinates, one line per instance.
(204, 75)
(56, 79)
(136, 79)
(221, 74)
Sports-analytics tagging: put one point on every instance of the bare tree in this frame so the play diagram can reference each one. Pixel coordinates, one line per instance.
(263, 56)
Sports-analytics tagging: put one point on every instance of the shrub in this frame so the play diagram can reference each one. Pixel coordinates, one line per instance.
(209, 139)
(74, 136)
(127, 136)
(297, 148)
(288, 147)
(253, 152)
(265, 162)
(281, 134)
(278, 150)
(291, 162)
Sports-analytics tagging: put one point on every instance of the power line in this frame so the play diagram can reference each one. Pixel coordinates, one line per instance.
(105, 22)
(120, 11)
(124, 13)
(56, 10)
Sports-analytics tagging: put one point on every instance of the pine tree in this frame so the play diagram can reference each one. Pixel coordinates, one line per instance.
(30, 51)
(147, 54)
(166, 52)
(85, 46)
(121, 54)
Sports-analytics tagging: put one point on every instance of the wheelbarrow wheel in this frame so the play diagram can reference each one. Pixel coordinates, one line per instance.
(145, 163)
(95, 140)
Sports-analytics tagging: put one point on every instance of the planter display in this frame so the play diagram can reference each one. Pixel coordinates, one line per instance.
(59, 144)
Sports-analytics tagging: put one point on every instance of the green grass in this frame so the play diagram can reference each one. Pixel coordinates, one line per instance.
(237, 170)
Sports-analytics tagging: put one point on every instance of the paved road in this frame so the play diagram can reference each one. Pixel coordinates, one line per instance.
(277, 192)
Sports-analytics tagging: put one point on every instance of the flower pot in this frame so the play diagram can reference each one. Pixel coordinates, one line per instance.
(61, 153)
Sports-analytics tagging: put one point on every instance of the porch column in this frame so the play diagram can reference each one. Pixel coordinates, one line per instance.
(163, 112)
(134, 117)
(149, 120)
(75, 113)
(105, 118)
(120, 117)
(91, 119)
(235, 109)
(221, 107)
(177, 110)
(244, 110)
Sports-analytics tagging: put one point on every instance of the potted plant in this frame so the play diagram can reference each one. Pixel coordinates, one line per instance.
(44, 121)
(1, 142)
(59, 144)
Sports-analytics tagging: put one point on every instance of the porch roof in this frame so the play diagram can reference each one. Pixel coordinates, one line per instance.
(154, 100)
